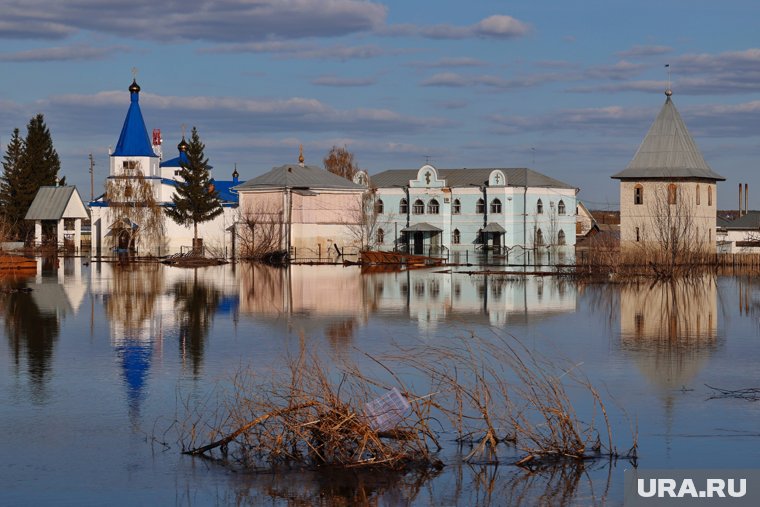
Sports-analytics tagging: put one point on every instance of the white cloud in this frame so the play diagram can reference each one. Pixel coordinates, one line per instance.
(501, 27)
(498, 26)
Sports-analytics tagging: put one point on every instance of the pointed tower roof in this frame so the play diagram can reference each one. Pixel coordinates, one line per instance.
(134, 140)
(668, 150)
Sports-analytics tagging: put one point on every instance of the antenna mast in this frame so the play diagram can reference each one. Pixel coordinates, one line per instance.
(92, 178)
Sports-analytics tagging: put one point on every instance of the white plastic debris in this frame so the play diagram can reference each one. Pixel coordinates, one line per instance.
(387, 411)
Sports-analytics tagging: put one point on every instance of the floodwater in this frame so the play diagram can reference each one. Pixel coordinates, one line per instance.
(98, 359)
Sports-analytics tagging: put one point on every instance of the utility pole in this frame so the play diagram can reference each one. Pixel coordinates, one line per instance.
(92, 178)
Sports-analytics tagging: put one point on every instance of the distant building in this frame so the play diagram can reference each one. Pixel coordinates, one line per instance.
(741, 235)
(436, 211)
(668, 188)
(135, 152)
(301, 209)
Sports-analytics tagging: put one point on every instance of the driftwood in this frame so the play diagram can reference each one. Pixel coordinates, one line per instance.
(749, 393)
(232, 436)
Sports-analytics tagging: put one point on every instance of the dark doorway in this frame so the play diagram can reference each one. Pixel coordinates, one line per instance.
(419, 246)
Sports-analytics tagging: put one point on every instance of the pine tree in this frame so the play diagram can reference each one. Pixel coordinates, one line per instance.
(9, 181)
(38, 165)
(195, 199)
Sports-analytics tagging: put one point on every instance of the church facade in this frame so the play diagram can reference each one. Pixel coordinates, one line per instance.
(139, 186)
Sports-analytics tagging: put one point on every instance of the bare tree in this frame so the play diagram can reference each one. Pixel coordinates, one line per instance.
(340, 161)
(261, 232)
(137, 217)
(670, 239)
(364, 221)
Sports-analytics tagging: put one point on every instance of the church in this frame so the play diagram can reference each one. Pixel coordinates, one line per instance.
(129, 216)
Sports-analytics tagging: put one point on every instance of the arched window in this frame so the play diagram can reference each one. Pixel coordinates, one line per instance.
(539, 238)
(672, 194)
(698, 191)
(480, 206)
(380, 236)
(456, 207)
(539, 207)
(419, 207)
(638, 194)
(433, 207)
(379, 207)
(456, 237)
(561, 237)
(403, 206)
(496, 206)
(709, 196)
(561, 207)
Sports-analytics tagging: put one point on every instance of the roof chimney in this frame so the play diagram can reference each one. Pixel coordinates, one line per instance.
(740, 199)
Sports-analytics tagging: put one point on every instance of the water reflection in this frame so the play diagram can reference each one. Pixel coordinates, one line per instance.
(340, 299)
(31, 331)
(195, 304)
(670, 328)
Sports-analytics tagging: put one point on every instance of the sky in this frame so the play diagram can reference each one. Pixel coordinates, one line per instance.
(568, 88)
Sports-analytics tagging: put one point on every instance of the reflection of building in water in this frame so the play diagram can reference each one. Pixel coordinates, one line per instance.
(148, 303)
(430, 297)
(670, 328)
(424, 295)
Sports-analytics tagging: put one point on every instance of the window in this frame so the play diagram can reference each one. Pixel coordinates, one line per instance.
(561, 237)
(496, 206)
(433, 207)
(456, 207)
(539, 238)
(403, 206)
(638, 194)
(672, 194)
(539, 207)
(709, 196)
(129, 164)
(418, 208)
(379, 207)
(638, 236)
(561, 207)
(480, 206)
(380, 236)
(698, 195)
(456, 237)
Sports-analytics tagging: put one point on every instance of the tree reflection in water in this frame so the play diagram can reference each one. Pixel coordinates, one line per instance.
(130, 306)
(195, 305)
(29, 330)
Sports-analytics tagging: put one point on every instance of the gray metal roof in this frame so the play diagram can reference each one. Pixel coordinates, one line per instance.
(296, 176)
(493, 227)
(749, 221)
(668, 151)
(421, 227)
(51, 202)
(516, 177)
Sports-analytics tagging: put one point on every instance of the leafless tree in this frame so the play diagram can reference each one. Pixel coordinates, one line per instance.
(364, 221)
(671, 237)
(135, 212)
(261, 232)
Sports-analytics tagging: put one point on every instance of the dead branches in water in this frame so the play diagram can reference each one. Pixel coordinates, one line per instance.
(307, 419)
(491, 392)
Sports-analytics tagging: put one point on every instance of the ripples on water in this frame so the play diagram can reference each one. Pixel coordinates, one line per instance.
(97, 359)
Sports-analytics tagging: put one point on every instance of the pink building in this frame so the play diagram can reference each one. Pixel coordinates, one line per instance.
(304, 210)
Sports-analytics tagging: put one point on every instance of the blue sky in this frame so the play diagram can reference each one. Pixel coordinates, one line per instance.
(566, 87)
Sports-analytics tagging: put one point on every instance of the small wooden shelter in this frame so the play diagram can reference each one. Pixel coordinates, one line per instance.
(62, 205)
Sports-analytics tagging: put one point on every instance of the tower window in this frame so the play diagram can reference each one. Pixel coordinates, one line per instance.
(638, 194)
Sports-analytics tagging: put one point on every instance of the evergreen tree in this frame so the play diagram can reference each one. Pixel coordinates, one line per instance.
(31, 164)
(195, 199)
(9, 181)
